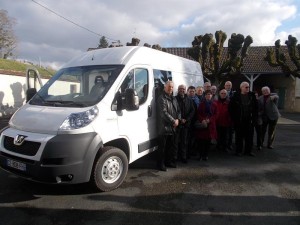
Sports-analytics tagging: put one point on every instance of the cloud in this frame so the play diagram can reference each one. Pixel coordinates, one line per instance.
(73, 27)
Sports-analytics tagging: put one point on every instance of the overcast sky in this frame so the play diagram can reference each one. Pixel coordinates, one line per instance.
(53, 38)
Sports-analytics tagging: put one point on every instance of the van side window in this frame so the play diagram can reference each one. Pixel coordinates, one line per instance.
(137, 79)
(160, 78)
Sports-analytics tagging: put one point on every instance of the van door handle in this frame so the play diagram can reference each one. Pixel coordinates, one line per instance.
(149, 111)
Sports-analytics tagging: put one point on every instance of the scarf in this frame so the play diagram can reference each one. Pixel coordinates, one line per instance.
(196, 100)
(208, 108)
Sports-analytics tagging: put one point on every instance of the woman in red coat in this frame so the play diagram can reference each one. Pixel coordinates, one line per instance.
(207, 113)
(224, 123)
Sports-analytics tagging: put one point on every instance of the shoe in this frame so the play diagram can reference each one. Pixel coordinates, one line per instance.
(259, 148)
(161, 167)
(250, 154)
(204, 158)
(171, 165)
(270, 147)
(239, 154)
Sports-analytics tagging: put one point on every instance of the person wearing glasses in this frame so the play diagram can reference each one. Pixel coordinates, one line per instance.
(243, 109)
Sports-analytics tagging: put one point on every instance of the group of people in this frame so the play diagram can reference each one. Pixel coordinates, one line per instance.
(190, 122)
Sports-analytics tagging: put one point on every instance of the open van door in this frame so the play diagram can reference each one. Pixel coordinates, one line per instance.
(33, 82)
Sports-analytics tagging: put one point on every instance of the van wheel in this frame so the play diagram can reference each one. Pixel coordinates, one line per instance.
(110, 169)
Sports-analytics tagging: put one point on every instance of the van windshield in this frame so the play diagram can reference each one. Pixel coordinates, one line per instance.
(77, 86)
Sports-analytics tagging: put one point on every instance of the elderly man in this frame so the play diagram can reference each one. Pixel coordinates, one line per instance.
(243, 109)
(270, 114)
(187, 114)
(168, 119)
(213, 89)
(206, 87)
(199, 93)
(228, 88)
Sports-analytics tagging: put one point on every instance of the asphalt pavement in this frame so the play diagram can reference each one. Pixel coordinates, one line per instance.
(224, 190)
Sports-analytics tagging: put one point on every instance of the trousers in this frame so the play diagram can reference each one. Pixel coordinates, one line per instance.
(244, 133)
(183, 137)
(271, 126)
(167, 148)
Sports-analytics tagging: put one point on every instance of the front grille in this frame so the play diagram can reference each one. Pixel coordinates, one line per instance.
(29, 148)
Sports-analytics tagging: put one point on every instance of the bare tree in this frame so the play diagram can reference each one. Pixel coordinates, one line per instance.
(158, 47)
(276, 57)
(209, 53)
(8, 40)
(134, 42)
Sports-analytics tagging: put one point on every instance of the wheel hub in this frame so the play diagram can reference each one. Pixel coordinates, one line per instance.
(112, 169)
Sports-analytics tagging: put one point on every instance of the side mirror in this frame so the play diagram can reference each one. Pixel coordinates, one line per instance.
(131, 100)
(128, 100)
(30, 93)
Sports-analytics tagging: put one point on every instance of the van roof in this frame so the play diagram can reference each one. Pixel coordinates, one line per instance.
(136, 55)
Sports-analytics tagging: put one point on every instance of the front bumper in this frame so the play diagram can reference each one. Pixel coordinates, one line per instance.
(65, 158)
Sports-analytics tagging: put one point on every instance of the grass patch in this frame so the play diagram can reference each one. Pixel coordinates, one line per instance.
(13, 67)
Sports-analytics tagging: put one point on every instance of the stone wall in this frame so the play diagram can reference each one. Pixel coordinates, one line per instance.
(287, 84)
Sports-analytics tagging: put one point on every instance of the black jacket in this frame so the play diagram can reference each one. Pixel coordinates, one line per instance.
(236, 109)
(187, 109)
(167, 112)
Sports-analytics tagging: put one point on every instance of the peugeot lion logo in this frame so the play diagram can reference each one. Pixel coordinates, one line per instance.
(19, 139)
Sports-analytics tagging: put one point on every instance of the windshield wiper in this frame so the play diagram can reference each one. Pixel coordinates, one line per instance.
(33, 101)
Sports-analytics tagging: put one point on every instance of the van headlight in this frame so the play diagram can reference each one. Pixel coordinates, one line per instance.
(79, 120)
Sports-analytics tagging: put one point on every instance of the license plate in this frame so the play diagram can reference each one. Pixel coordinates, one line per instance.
(16, 165)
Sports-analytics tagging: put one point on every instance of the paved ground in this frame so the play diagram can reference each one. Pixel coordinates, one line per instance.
(225, 190)
(290, 116)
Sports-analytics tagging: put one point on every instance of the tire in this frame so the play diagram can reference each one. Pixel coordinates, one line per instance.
(110, 169)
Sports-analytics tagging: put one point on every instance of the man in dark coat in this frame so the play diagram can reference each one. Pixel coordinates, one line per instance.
(187, 114)
(243, 109)
(168, 119)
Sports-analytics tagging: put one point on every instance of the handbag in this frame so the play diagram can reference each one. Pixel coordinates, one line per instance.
(200, 125)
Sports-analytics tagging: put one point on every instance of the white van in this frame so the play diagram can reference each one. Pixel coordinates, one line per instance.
(93, 117)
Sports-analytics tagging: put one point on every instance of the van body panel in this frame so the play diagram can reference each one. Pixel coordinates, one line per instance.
(129, 56)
